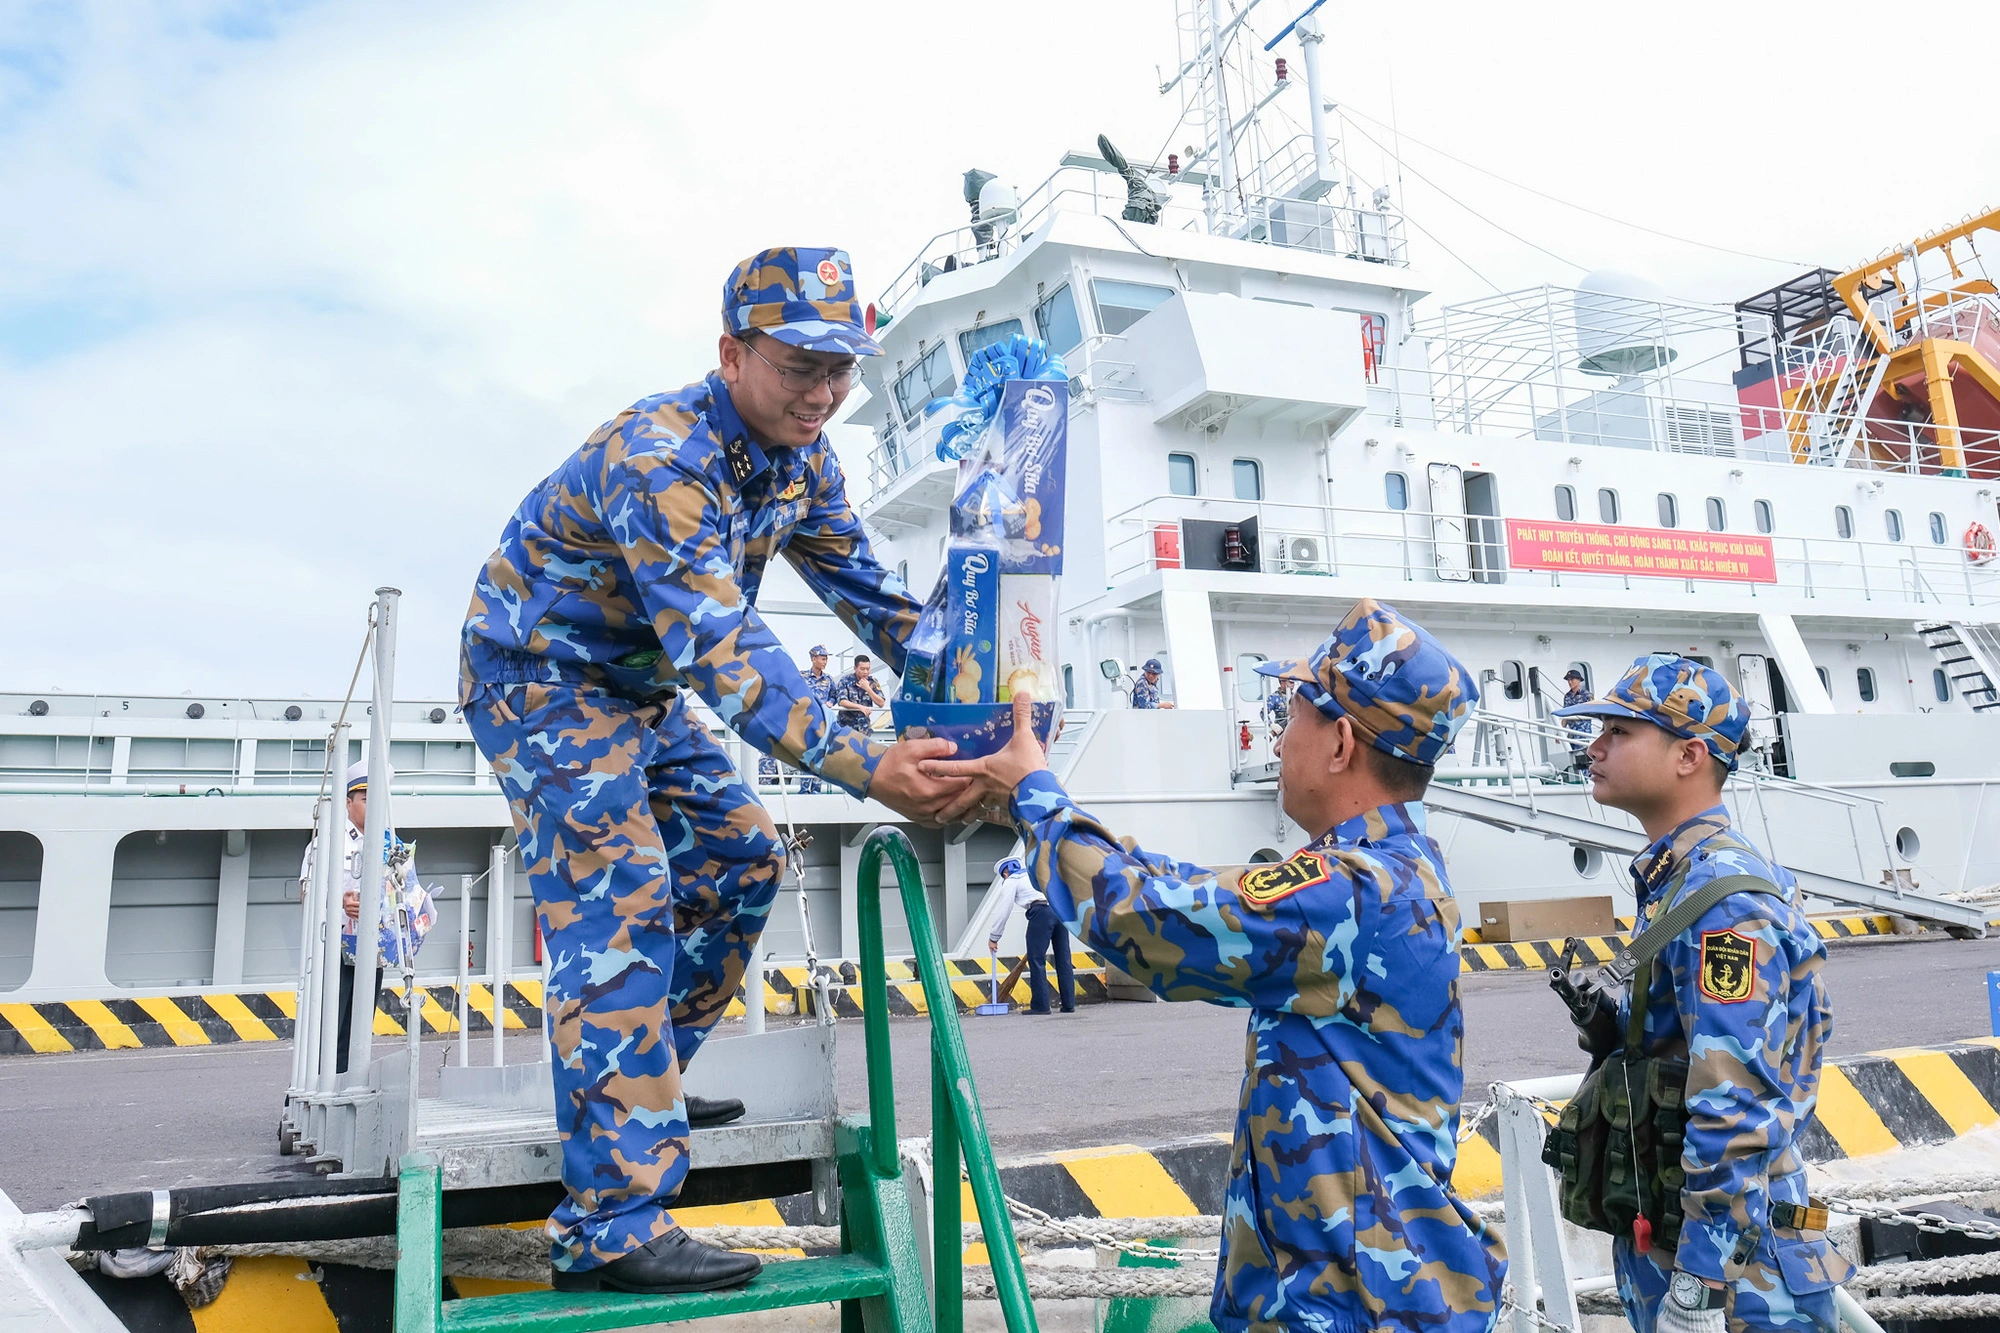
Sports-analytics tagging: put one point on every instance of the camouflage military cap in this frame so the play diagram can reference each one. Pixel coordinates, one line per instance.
(800, 296)
(817, 650)
(1679, 695)
(1390, 678)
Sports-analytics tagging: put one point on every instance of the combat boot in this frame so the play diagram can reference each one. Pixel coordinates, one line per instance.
(669, 1263)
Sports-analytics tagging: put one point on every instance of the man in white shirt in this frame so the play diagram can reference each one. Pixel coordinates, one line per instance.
(399, 877)
(1044, 928)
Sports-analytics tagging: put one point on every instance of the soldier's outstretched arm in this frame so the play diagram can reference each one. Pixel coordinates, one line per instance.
(1186, 932)
(1733, 980)
(831, 552)
(670, 529)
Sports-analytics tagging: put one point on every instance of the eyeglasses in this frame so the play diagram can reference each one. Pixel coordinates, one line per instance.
(839, 379)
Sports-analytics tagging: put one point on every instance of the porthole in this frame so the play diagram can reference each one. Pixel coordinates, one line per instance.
(1908, 844)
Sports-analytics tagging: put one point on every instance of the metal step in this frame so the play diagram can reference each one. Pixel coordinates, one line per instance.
(779, 1286)
(1504, 812)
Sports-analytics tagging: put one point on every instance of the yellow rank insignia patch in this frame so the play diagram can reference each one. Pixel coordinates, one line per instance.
(1728, 965)
(793, 491)
(1264, 885)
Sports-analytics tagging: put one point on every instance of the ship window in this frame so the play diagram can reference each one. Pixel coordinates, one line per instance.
(1937, 528)
(1566, 503)
(1825, 681)
(1864, 681)
(1892, 523)
(1843, 521)
(1069, 685)
(1180, 474)
(1249, 479)
(1941, 683)
(1120, 305)
(1607, 505)
(1513, 679)
(1765, 522)
(1718, 514)
(930, 378)
(1056, 322)
(1670, 511)
(903, 572)
(1397, 488)
(985, 336)
(1251, 687)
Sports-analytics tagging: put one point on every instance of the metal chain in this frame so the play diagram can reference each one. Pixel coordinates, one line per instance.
(1507, 1302)
(1081, 1230)
(1922, 1221)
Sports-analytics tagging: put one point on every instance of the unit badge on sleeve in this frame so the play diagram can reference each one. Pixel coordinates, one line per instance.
(1264, 885)
(1728, 965)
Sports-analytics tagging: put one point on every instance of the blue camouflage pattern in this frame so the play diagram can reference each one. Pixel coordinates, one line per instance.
(1754, 1037)
(1579, 728)
(1398, 686)
(633, 570)
(1339, 1212)
(653, 869)
(1145, 693)
(1683, 696)
(798, 295)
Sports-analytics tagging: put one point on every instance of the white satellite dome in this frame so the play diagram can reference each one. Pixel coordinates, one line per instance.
(1621, 325)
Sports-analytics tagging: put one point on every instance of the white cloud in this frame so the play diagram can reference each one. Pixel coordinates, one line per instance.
(289, 316)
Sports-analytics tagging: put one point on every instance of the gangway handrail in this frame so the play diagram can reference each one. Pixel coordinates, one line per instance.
(957, 1123)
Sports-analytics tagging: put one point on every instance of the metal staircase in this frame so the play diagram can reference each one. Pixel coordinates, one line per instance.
(1968, 654)
(786, 1077)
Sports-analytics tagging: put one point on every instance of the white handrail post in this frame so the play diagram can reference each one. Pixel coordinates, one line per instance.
(368, 930)
(464, 1005)
(333, 859)
(498, 894)
(312, 913)
(1537, 1256)
(753, 994)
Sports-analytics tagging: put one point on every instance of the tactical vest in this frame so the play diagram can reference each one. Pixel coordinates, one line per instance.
(1617, 1144)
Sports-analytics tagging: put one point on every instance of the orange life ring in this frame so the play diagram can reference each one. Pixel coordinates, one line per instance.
(1979, 547)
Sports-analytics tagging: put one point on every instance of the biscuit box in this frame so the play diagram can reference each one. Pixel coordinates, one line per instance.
(970, 665)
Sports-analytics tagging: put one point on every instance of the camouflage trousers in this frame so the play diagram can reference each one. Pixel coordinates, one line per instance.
(653, 868)
(1763, 1297)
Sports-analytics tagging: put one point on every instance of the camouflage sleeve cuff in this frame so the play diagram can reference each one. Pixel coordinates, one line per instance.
(1704, 1247)
(850, 760)
(1039, 796)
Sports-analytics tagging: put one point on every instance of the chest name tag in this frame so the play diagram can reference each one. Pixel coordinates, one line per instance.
(1267, 884)
(1728, 965)
(737, 451)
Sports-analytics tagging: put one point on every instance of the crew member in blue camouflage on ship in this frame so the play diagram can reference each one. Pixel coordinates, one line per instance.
(1146, 690)
(1740, 995)
(1340, 1212)
(627, 577)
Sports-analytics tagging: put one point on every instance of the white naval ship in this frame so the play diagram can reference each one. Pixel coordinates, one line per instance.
(1269, 418)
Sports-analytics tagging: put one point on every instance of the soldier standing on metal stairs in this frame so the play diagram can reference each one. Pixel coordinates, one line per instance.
(629, 574)
(1740, 996)
(1340, 1213)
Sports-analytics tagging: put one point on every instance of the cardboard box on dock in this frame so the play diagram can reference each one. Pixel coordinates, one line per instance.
(1545, 919)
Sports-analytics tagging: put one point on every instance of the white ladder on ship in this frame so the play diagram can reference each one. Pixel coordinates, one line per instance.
(1967, 654)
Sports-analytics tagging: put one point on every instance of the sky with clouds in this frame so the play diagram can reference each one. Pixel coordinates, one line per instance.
(299, 299)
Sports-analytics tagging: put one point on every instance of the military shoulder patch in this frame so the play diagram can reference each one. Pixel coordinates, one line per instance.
(1261, 886)
(737, 453)
(1728, 965)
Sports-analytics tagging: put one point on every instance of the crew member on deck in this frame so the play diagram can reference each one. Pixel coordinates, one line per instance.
(1146, 690)
(1739, 995)
(630, 575)
(1340, 1212)
(1045, 929)
(856, 693)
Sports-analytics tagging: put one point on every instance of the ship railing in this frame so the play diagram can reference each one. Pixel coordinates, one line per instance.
(1268, 218)
(1530, 758)
(1419, 546)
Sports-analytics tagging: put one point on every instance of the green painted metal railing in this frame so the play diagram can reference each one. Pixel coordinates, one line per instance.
(957, 1123)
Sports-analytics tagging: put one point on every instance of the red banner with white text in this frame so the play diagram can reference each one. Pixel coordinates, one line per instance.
(1664, 553)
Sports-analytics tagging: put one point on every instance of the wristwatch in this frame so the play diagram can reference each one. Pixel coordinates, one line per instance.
(1691, 1293)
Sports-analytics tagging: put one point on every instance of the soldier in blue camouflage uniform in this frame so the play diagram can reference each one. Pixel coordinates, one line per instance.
(1340, 1212)
(628, 576)
(1146, 689)
(1740, 995)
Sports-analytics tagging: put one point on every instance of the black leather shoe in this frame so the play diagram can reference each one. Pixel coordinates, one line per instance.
(708, 1112)
(669, 1263)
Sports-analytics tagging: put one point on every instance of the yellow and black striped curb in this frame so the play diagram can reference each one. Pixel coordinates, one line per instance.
(223, 1018)
(1912, 1097)
(1480, 957)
